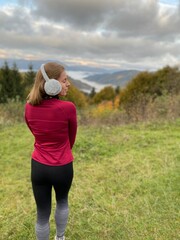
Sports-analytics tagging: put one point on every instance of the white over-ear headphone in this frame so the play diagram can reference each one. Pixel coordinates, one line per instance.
(52, 86)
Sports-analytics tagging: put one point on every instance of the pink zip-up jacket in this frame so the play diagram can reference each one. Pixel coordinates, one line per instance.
(54, 125)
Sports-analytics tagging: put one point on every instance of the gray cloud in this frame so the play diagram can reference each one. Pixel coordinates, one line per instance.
(124, 17)
(124, 31)
(85, 15)
(16, 20)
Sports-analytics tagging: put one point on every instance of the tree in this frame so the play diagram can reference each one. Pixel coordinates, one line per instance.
(105, 94)
(135, 96)
(117, 90)
(76, 96)
(16, 82)
(92, 93)
(28, 80)
(168, 79)
(6, 83)
(10, 83)
(147, 86)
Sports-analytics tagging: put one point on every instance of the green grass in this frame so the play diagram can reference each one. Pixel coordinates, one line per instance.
(126, 183)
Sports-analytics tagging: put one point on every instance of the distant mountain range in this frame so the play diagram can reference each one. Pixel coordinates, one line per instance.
(119, 78)
(98, 75)
(80, 85)
(23, 64)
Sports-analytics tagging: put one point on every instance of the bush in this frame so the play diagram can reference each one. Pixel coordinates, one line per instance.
(76, 96)
(11, 112)
(106, 94)
(164, 107)
(146, 87)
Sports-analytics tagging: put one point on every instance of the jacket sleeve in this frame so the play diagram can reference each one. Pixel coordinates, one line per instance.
(72, 124)
(25, 116)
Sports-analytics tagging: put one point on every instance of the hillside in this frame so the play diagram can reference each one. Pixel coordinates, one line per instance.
(80, 85)
(119, 78)
(125, 183)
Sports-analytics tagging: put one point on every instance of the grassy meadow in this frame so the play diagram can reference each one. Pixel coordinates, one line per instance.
(126, 183)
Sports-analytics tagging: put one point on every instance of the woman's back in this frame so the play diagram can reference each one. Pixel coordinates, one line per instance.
(53, 124)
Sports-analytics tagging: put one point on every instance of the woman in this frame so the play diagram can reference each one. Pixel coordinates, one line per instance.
(53, 123)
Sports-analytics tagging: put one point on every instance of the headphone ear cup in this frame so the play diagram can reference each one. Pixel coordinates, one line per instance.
(52, 87)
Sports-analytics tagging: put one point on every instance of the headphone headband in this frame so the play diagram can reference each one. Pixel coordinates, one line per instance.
(44, 73)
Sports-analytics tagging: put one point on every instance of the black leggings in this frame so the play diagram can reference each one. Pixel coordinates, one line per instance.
(43, 178)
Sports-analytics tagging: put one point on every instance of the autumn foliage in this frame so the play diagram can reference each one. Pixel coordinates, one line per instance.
(147, 87)
(149, 95)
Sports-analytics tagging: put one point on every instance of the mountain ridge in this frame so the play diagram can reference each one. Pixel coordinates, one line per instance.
(23, 64)
(118, 78)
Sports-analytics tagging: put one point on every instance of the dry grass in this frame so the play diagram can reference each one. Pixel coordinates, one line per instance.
(159, 109)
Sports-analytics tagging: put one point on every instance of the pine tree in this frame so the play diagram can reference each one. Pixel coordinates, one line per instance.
(92, 93)
(10, 83)
(28, 80)
(16, 82)
(5, 82)
(117, 90)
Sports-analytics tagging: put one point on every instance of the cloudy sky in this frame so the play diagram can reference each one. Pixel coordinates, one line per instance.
(119, 34)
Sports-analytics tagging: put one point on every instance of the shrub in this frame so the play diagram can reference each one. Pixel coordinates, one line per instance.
(11, 112)
(106, 94)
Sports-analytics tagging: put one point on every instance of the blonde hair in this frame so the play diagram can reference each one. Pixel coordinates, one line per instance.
(37, 93)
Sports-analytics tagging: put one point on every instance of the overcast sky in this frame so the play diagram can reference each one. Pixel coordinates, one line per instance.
(122, 34)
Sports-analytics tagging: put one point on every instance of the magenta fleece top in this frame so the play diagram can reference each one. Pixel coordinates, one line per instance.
(54, 125)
